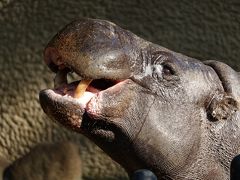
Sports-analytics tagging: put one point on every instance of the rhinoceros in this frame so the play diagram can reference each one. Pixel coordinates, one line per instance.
(146, 106)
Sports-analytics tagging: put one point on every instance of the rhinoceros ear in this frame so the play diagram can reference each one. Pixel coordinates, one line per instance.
(224, 105)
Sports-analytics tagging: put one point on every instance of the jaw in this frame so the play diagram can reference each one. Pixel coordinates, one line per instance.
(105, 117)
(94, 112)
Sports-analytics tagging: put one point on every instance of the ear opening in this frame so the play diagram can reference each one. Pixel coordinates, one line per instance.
(223, 106)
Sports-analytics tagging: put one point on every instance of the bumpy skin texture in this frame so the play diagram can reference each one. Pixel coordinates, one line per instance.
(204, 29)
(170, 113)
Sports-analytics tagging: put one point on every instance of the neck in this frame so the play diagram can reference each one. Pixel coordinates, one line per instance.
(203, 170)
(205, 165)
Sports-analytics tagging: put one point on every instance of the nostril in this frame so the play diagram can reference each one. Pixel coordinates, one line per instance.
(53, 59)
(51, 55)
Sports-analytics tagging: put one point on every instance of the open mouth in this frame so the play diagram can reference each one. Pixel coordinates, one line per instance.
(82, 90)
(82, 105)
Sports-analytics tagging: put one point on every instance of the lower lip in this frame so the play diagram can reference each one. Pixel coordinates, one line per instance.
(87, 97)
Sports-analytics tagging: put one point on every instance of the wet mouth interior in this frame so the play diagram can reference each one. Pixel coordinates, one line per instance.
(77, 89)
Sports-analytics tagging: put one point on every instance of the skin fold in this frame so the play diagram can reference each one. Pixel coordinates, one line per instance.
(164, 111)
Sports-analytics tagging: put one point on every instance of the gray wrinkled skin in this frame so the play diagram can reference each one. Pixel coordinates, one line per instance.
(172, 114)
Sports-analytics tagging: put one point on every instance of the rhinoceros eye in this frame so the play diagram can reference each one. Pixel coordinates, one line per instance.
(163, 71)
(167, 70)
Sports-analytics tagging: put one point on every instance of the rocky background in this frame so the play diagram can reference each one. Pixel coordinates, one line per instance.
(207, 29)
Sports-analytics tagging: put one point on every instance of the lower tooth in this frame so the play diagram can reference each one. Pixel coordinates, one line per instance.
(81, 88)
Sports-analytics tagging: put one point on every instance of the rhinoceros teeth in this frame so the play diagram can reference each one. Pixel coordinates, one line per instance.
(60, 78)
(81, 88)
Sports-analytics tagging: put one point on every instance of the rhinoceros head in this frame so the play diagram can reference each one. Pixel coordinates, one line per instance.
(144, 105)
